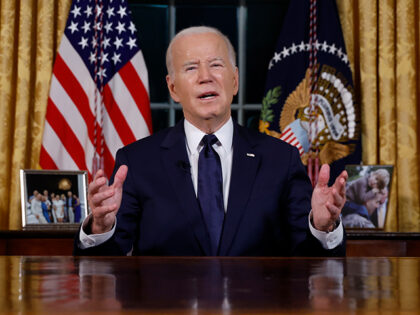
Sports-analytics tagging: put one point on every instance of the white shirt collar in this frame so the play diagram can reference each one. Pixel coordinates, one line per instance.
(194, 135)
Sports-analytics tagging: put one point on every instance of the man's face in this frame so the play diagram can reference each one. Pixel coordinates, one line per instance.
(204, 81)
(373, 181)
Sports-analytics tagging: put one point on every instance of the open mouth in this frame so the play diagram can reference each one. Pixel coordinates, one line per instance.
(208, 95)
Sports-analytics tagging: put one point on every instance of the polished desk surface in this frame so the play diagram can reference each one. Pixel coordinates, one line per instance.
(161, 285)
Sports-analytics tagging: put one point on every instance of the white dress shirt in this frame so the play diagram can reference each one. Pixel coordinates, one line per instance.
(224, 147)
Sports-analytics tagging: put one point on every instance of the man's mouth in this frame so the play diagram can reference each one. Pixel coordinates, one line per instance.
(208, 95)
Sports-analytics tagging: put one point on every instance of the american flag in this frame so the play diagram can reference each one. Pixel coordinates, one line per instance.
(99, 99)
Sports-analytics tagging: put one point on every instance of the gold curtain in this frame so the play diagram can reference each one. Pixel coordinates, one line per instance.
(383, 38)
(30, 31)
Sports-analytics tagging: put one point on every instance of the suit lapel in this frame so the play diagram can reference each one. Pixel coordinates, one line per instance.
(244, 169)
(176, 163)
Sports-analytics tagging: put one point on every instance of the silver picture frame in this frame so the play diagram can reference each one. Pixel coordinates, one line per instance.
(53, 199)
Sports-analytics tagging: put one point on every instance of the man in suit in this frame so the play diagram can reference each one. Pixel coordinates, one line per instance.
(154, 204)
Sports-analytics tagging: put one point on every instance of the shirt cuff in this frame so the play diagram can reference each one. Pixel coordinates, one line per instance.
(329, 240)
(91, 240)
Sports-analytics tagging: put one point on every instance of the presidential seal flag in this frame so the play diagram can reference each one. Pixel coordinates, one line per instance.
(99, 99)
(309, 99)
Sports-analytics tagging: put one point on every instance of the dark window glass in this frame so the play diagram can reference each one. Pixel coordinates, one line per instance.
(264, 22)
(153, 30)
(251, 119)
(160, 119)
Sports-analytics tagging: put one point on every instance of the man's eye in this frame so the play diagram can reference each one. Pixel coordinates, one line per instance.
(216, 65)
(190, 68)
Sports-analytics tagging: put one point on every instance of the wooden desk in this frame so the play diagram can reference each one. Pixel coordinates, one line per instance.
(359, 244)
(63, 284)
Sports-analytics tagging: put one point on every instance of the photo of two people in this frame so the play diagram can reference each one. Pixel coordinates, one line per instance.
(367, 194)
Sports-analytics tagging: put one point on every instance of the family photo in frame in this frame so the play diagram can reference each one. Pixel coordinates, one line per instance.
(53, 199)
(367, 192)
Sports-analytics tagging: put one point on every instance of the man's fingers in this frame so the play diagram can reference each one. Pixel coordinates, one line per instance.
(102, 211)
(334, 211)
(99, 180)
(98, 198)
(338, 197)
(324, 176)
(341, 181)
(120, 176)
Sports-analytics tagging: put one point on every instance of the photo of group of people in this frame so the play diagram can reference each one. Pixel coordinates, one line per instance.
(367, 195)
(53, 208)
(53, 197)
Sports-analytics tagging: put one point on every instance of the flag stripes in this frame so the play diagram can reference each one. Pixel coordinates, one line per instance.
(122, 112)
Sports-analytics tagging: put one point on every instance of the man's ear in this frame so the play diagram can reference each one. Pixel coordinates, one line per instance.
(236, 81)
(171, 87)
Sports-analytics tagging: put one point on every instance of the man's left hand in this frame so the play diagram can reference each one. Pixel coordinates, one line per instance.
(327, 202)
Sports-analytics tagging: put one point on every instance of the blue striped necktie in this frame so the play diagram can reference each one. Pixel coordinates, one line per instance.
(210, 191)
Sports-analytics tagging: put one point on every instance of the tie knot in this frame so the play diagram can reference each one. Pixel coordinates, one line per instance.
(209, 140)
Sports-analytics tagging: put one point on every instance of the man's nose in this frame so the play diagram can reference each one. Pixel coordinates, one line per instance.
(204, 74)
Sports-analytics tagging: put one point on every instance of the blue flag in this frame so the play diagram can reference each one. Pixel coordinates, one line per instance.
(285, 114)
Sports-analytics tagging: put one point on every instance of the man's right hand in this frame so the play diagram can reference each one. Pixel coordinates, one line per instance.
(104, 201)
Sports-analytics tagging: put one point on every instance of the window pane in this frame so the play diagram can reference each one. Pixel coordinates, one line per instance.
(152, 25)
(252, 118)
(222, 17)
(264, 22)
(160, 119)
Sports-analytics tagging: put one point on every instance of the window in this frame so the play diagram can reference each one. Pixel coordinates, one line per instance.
(252, 26)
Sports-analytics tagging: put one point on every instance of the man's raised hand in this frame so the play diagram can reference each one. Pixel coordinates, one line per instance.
(327, 202)
(104, 201)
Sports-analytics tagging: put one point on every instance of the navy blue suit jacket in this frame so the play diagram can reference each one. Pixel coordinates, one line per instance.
(268, 206)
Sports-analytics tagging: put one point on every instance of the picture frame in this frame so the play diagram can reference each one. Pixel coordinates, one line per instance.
(367, 195)
(53, 199)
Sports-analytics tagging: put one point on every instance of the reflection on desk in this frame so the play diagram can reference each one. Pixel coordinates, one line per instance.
(208, 285)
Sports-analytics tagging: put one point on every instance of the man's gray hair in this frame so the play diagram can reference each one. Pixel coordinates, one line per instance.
(198, 30)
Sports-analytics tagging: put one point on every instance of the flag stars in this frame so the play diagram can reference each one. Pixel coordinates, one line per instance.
(83, 42)
(132, 27)
(106, 43)
(277, 57)
(116, 58)
(98, 10)
(73, 27)
(104, 58)
(86, 27)
(131, 43)
(101, 73)
(120, 27)
(88, 11)
(94, 42)
(118, 42)
(122, 12)
(76, 11)
(98, 26)
(92, 57)
(108, 27)
(110, 12)
(285, 52)
(301, 46)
